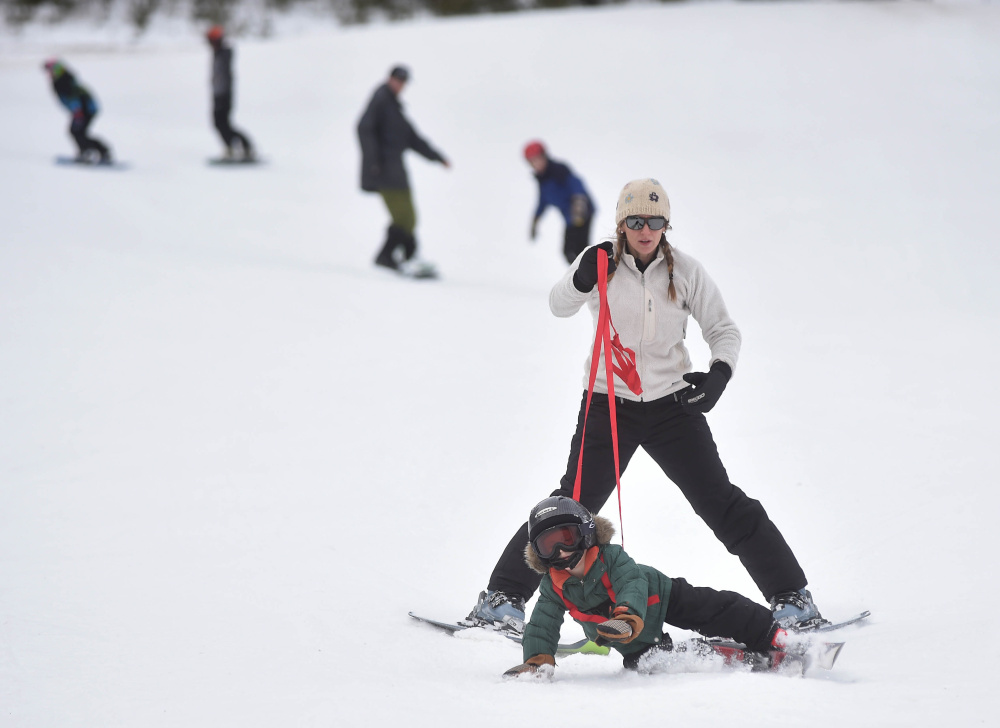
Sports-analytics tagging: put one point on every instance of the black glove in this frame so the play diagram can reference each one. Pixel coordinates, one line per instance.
(708, 387)
(585, 277)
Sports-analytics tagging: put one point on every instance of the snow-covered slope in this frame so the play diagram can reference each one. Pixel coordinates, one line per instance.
(233, 455)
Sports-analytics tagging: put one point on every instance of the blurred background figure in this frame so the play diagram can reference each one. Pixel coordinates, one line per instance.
(558, 186)
(385, 133)
(82, 108)
(222, 98)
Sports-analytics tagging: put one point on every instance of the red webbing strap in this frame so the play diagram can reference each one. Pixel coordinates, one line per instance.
(573, 611)
(606, 580)
(583, 617)
(625, 358)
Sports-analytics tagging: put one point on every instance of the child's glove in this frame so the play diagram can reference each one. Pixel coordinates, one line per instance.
(579, 210)
(538, 663)
(622, 627)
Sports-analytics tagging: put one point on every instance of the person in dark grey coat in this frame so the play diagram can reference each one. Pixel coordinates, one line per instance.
(222, 96)
(385, 133)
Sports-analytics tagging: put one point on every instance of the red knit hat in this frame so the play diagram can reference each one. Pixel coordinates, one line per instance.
(215, 33)
(533, 149)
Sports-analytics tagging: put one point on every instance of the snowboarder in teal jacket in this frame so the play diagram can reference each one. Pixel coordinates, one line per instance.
(616, 600)
(82, 108)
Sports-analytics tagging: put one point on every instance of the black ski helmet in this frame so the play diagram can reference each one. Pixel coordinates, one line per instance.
(558, 510)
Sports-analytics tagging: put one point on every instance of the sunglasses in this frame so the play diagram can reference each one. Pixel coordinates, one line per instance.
(568, 536)
(634, 222)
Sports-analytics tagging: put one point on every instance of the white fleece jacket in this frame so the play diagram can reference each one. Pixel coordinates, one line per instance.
(652, 325)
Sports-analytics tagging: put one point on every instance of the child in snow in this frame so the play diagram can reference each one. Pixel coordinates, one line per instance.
(614, 599)
(559, 186)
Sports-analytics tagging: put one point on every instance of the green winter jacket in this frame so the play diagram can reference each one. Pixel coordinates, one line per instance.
(643, 589)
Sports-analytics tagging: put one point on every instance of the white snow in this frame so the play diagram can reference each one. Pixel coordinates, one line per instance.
(233, 455)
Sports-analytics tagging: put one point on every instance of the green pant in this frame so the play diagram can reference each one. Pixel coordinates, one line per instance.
(400, 205)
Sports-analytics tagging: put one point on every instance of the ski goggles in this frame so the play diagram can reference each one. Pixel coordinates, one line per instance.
(635, 222)
(568, 537)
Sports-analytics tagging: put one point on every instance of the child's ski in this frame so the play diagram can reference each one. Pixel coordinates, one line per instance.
(795, 659)
(583, 646)
(696, 652)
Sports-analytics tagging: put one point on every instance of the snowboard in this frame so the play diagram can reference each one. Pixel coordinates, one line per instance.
(583, 646)
(420, 272)
(235, 162)
(91, 163)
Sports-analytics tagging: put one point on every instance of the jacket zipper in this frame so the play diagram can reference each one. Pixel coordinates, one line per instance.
(647, 304)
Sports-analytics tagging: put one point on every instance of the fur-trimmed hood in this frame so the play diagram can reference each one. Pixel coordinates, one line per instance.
(605, 532)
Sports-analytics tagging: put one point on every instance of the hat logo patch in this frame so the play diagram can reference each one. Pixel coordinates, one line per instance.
(653, 197)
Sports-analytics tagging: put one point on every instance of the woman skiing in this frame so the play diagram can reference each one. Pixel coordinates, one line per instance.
(652, 289)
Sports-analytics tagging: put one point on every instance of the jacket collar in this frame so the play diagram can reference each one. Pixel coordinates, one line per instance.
(630, 260)
(559, 576)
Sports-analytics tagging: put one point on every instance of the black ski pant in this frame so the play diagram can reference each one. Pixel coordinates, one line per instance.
(681, 444)
(396, 239)
(715, 613)
(84, 142)
(575, 239)
(222, 107)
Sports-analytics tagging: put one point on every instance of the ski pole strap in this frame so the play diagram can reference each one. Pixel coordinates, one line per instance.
(625, 358)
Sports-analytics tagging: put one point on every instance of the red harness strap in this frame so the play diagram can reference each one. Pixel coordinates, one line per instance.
(579, 616)
(625, 358)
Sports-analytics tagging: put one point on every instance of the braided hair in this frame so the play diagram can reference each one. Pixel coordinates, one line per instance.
(668, 253)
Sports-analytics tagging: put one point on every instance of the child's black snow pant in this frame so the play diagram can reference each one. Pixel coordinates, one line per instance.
(713, 613)
(681, 443)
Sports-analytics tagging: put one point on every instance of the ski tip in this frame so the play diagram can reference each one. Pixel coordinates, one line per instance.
(582, 647)
(592, 648)
(828, 655)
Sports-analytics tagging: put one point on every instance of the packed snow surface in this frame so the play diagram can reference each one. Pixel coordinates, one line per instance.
(234, 455)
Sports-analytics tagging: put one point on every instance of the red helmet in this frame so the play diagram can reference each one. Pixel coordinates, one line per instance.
(533, 149)
(214, 33)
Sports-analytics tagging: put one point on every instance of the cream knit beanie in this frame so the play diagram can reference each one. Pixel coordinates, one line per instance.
(642, 197)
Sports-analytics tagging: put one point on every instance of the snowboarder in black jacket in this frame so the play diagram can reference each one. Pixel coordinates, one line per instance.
(222, 96)
(83, 109)
(385, 133)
